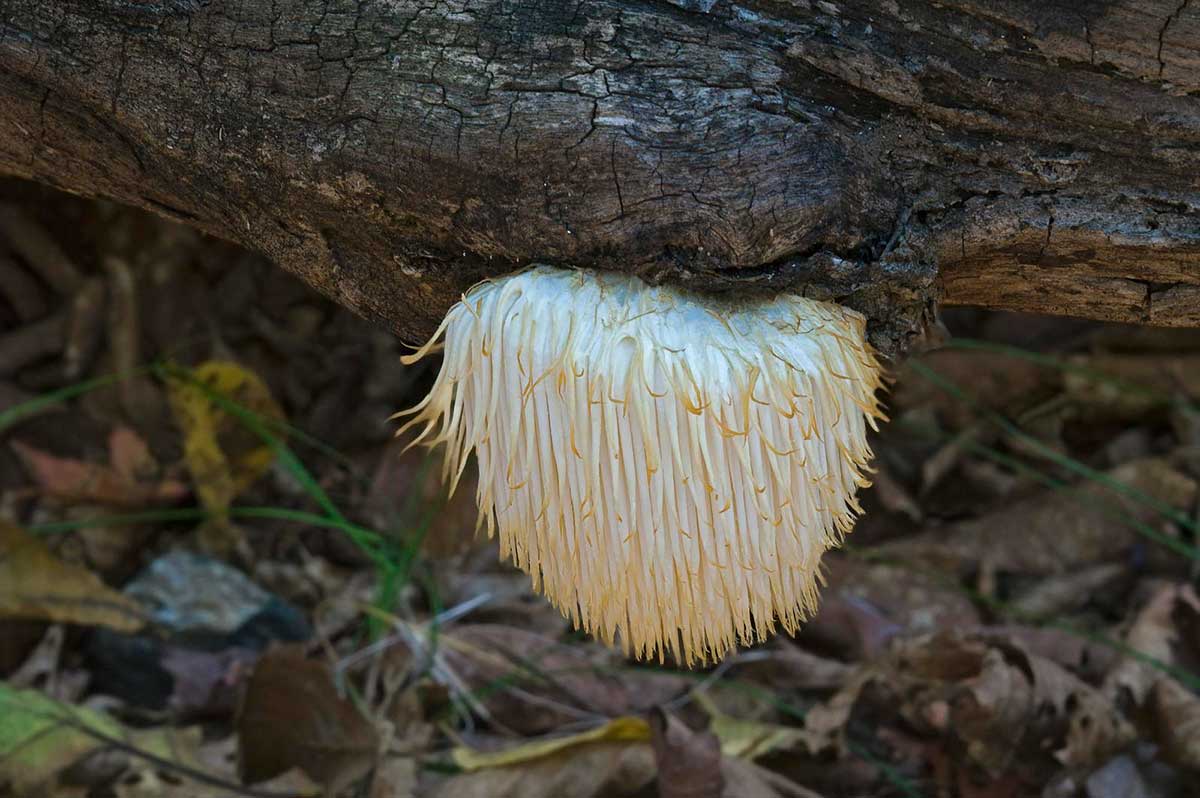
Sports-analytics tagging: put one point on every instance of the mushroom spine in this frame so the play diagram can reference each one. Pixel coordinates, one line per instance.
(668, 467)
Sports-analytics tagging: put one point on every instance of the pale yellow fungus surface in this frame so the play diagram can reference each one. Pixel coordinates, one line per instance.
(668, 467)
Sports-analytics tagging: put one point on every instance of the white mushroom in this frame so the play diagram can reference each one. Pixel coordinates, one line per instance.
(668, 467)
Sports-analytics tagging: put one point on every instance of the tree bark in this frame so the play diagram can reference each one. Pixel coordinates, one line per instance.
(889, 154)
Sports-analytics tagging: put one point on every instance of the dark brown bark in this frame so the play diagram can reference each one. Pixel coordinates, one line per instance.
(1021, 154)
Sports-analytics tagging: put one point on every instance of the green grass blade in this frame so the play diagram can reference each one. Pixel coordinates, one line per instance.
(173, 515)
(17, 413)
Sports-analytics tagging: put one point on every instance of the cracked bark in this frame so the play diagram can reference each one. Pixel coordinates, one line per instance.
(1019, 154)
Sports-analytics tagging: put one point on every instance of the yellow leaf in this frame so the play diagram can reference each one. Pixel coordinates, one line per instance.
(39, 737)
(750, 739)
(623, 729)
(35, 584)
(222, 454)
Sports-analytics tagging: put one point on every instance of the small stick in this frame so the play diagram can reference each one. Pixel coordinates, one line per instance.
(31, 343)
(86, 329)
(30, 240)
(21, 290)
(138, 393)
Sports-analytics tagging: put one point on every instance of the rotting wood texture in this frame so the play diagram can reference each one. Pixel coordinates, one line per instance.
(1023, 154)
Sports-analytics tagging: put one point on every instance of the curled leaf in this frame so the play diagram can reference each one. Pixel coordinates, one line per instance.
(623, 729)
(224, 456)
(35, 584)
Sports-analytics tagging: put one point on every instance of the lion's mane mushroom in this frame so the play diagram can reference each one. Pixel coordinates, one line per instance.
(668, 467)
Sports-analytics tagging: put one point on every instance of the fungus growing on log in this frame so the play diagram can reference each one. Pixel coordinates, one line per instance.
(668, 467)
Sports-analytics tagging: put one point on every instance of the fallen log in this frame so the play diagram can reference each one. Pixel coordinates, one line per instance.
(1019, 154)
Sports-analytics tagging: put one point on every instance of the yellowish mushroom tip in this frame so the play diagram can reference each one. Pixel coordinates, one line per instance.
(669, 468)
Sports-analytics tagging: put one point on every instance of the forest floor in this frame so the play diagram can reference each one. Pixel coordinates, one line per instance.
(220, 574)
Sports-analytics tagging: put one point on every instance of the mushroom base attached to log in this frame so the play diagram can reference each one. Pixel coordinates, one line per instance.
(668, 467)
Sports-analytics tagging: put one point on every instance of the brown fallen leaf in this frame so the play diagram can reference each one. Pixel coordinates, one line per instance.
(1177, 722)
(689, 763)
(688, 767)
(218, 758)
(35, 584)
(1062, 593)
(1090, 725)
(1055, 531)
(292, 717)
(787, 666)
(867, 603)
(1014, 713)
(78, 482)
(1089, 659)
(1153, 634)
(849, 626)
(1019, 703)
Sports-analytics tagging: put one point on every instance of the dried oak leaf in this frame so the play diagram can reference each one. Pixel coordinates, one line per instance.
(293, 717)
(1010, 711)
